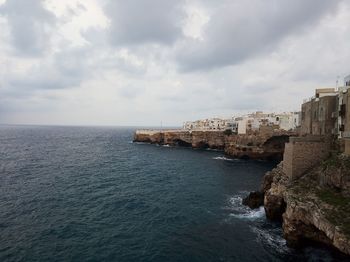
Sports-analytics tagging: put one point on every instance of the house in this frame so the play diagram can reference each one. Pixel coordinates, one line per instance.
(344, 115)
(318, 114)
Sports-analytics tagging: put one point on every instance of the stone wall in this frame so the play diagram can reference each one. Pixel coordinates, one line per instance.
(347, 147)
(303, 153)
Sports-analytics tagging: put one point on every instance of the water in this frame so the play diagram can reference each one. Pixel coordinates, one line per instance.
(89, 194)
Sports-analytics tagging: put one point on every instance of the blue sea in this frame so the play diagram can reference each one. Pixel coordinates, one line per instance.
(90, 194)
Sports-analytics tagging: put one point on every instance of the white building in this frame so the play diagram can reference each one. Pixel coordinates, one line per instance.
(248, 123)
(288, 121)
(241, 125)
(214, 124)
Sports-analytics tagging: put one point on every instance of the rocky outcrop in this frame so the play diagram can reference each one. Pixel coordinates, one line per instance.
(270, 193)
(257, 146)
(316, 213)
(253, 146)
(311, 209)
(274, 203)
(254, 199)
(336, 174)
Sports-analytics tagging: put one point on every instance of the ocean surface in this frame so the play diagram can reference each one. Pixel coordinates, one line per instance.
(90, 194)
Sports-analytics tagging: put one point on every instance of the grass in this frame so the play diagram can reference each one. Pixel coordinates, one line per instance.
(339, 214)
(334, 198)
(337, 161)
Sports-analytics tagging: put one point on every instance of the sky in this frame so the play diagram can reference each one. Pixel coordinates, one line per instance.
(146, 62)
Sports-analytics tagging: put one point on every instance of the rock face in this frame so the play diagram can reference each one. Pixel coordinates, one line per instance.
(258, 146)
(254, 146)
(336, 174)
(275, 185)
(254, 199)
(314, 208)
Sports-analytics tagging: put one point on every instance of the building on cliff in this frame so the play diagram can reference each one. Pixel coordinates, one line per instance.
(247, 124)
(208, 124)
(324, 117)
(344, 115)
(318, 114)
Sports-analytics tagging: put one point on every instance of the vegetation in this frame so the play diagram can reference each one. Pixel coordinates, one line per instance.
(334, 198)
(339, 213)
(337, 161)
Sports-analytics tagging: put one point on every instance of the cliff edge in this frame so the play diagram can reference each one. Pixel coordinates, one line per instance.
(314, 207)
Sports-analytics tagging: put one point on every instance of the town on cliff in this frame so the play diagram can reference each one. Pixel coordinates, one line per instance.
(309, 190)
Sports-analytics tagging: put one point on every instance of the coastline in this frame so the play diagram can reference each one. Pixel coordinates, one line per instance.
(264, 146)
(295, 201)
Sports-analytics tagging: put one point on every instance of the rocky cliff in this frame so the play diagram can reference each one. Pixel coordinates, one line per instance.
(257, 146)
(254, 146)
(313, 208)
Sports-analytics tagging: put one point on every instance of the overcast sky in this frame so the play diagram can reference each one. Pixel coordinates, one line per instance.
(140, 62)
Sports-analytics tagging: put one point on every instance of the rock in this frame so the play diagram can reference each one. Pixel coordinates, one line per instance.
(249, 146)
(254, 199)
(315, 208)
(274, 206)
(267, 181)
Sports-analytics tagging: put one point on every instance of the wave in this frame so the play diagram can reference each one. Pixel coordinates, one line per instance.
(213, 149)
(272, 237)
(225, 158)
(238, 210)
(251, 214)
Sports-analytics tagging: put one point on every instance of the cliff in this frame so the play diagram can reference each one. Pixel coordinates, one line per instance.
(314, 207)
(195, 139)
(255, 146)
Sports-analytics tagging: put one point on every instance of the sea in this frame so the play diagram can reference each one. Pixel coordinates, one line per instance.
(91, 194)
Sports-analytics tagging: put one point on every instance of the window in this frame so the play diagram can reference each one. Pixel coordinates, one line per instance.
(342, 110)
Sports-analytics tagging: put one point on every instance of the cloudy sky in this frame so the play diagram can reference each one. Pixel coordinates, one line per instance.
(140, 62)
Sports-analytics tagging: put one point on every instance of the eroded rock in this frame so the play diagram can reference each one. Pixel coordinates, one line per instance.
(254, 199)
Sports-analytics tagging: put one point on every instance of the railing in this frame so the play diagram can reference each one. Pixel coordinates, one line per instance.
(308, 99)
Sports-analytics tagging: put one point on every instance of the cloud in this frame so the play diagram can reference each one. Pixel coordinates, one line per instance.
(31, 25)
(238, 30)
(136, 22)
(117, 62)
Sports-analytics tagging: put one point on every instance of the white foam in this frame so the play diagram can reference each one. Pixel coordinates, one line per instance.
(213, 149)
(251, 214)
(272, 238)
(224, 158)
(238, 210)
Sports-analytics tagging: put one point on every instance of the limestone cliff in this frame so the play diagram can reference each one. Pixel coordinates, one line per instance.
(257, 146)
(315, 207)
(254, 146)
